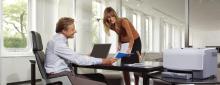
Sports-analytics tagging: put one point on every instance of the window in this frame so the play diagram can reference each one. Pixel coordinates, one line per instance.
(182, 38)
(143, 26)
(139, 24)
(99, 34)
(15, 23)
(167, 36)
(149, 34)
(172, 35)
(123, 11)
(176, 38)
(15, 20)
(134, 20)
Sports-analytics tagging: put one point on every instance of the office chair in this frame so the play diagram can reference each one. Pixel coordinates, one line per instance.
(40, 57)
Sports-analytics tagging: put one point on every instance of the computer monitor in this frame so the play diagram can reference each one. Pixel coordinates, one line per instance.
(100, 50)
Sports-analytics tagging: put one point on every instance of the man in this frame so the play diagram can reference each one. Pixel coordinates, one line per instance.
(58, 55)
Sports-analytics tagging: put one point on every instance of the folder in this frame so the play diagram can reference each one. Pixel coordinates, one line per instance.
(120, 55)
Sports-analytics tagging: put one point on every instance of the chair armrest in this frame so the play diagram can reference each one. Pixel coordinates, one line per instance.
(32, 61)
(74, 67)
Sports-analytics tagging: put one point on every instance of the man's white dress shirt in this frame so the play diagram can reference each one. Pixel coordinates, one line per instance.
(58, 54)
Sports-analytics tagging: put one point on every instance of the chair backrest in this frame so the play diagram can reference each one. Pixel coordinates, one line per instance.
(38, 52)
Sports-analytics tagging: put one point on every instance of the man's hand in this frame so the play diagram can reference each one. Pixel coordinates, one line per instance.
(108, 61)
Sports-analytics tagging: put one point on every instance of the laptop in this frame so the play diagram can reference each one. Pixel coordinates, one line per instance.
(100, 50)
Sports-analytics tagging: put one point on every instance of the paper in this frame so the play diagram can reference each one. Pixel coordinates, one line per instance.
(124, 47)
(140, 65)
(123, 51)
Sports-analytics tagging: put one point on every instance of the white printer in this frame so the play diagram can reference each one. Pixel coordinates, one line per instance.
(190, 63)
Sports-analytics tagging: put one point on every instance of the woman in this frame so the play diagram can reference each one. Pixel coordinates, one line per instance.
(126, 34)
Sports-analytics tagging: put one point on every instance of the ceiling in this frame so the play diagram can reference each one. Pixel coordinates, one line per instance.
(204, 14)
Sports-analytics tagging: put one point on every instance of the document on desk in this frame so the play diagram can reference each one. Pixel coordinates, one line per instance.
(137, 65)
(145, 65)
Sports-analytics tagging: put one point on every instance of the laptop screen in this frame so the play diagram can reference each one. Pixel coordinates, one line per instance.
(100, 50)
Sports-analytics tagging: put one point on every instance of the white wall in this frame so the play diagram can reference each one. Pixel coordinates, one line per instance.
(196, 38)
(212, 38)
(200, 38)
(83, 25)
(14, 69)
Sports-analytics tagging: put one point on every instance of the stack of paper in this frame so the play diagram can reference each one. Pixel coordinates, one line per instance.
(124, 47)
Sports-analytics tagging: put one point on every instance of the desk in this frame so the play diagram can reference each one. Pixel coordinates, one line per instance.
(174, 81)
(144, 70)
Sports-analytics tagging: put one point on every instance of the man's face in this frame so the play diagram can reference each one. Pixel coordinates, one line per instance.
(70, 31)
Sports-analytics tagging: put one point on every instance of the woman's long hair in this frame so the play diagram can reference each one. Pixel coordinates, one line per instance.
(109, 12)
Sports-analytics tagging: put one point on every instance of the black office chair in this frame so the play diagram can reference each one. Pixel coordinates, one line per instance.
(40, 57)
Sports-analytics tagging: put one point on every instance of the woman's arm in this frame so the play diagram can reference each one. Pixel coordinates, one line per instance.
(125, 25)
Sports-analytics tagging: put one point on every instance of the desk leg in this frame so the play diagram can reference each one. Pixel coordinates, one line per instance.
(146, 79)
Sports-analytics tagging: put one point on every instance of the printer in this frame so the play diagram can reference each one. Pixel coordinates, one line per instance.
(187, 63)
